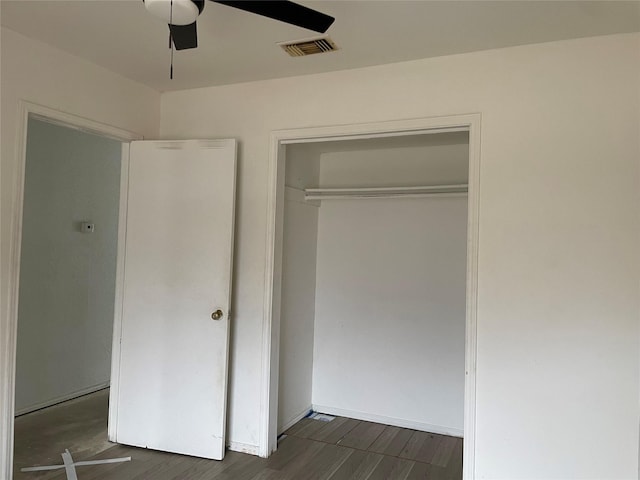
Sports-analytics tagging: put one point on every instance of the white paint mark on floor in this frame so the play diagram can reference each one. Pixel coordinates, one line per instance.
(70, 466)
(323, 417)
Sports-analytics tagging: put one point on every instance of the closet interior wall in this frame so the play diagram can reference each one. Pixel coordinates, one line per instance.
(298, 288)
(373, 293)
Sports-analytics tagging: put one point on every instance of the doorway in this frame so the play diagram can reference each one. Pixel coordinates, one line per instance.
(273, 302)
(62, 312)
(67, 284)
(67, 265)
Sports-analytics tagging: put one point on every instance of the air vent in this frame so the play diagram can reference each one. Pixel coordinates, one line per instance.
(309, 47)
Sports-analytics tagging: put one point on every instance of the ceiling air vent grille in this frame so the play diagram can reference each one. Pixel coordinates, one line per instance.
(309, 47)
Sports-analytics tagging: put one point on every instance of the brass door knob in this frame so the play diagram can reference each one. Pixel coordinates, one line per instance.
(217, 315)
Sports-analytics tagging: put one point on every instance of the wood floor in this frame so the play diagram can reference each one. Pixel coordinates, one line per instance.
(351, 449)
(342, 449)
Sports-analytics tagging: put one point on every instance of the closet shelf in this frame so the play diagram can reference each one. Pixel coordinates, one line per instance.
(385, 192)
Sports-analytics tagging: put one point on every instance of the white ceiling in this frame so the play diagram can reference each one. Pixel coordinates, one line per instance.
(237, 46)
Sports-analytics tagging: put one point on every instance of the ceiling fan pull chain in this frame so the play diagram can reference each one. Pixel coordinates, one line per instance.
(170, 23)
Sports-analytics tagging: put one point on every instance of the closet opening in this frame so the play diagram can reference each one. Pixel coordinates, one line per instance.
(371, 296)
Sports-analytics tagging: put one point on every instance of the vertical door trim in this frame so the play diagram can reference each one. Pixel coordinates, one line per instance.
(117, 311)
(9, 327)
(273, 267)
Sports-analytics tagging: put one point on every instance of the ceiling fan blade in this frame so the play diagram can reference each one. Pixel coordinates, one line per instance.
(285, 11)
(184, 36)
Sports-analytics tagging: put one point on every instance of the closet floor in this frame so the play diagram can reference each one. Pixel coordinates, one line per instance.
(352, 449)
(342, 449)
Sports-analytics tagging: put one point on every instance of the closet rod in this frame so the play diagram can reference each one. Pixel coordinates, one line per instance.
(385, 192)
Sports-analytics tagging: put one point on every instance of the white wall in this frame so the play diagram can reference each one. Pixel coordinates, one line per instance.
(297, 305)
(408, 160)
(33, 71)
(557, 361)
(297, 315)
(434, 159)
(390, 311)
(302, 166)
(67, 278)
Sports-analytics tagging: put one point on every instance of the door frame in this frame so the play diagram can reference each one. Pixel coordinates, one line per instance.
(9, 328)
(274, 241)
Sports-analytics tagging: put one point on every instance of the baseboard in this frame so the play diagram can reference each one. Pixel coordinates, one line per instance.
(295, 419)
(62, 398)
(396, 422)
(244, 448)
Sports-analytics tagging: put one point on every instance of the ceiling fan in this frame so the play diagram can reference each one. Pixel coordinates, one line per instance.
(181, 16)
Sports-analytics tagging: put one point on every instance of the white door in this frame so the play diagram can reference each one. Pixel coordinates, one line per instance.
(172, 375)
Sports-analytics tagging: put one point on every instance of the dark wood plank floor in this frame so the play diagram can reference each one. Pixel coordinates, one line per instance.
(375, 451)
(342, 449)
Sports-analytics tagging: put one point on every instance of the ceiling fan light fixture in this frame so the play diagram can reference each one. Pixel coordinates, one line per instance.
(181, 16)
(184, 12)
